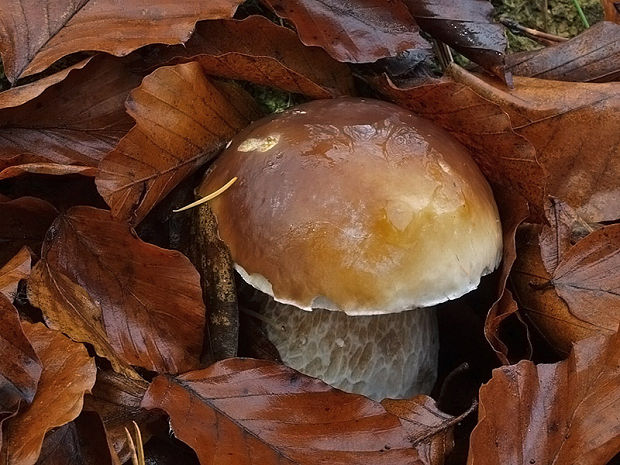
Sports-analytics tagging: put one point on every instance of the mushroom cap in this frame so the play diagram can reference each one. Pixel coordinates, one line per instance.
(355, 205)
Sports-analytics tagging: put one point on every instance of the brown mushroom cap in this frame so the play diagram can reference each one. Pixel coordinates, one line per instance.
(355, 205)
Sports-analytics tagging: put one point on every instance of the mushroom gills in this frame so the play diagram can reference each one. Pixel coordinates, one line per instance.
(380, 356)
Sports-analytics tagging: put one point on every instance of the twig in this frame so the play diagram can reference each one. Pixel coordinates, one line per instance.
(531, 33)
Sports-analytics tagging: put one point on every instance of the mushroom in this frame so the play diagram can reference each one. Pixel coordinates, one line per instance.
(354, 216)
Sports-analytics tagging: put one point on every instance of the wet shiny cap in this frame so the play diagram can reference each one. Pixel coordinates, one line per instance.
(355, 205)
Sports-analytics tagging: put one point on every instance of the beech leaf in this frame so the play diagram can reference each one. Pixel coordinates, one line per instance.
(16, 269)
(573, 127)
(356, 31)
(182, 119)
(20, 368)
(467, 26)
(136, 303)
(592, 56)
(259, 51)
(75, 122)
(36, 34)
(562, 413)
(247, 411)
(68, 372)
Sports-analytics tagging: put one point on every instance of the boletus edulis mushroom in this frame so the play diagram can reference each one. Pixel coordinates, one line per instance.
(355, 216)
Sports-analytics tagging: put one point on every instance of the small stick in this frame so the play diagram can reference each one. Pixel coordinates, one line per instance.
(206, 198)
(531, 33)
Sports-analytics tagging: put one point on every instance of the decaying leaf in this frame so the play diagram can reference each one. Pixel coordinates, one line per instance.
(24, 223)
(259, 51)
(563, 413)
(247, 411)
(356, 31)
(16, 269)
(182, 119)
(467, 26)
(592, 56)
(81, 442)
(612, 10)
(20, 368)
(136, 303)
(36, 34)
(75, 122)
(68, 372)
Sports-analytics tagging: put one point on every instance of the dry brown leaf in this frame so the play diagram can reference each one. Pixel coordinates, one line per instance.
(68, 372)
(468, 27)
(356, 31)
(16, 269)
(24, 222)
(430, 428)
(116, 399)
(592, 56)
(612, 10)
(20, 368)
(564, 413)
(36, 34)
(46, 168)
(81, 442)
(505, 158)
(259, 51)
(574, 127)
(538, 300)
(134, 302)
(513, 211)
(182, 119)
(242, 411)
(587, 278)
(17, 96)
(75, 122)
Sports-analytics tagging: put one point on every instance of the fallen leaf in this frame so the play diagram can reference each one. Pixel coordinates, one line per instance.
(592, 56)
(136, 303)
(16, 269)
(68, 372)
(468, 27)
(19, 95)
(81, 442)
(431, 430)
(574, 129)
(182, 119)
(35, 35)
(612, 10)
(75, 122)
(259, 51)
(46, 168)
(506, 158)
(20, 368)
(356, 31)
(587, 277)
(24, 223)
(513, 211)
(538, 300)
(563, 413)
(246, 411)
(116, 399)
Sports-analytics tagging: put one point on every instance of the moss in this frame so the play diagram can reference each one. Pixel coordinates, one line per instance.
(562, 18)
(272, 100)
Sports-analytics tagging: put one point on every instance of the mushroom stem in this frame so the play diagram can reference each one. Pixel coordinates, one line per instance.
(379, 356)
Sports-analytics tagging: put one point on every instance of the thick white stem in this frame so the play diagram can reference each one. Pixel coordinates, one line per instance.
(379, 356)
